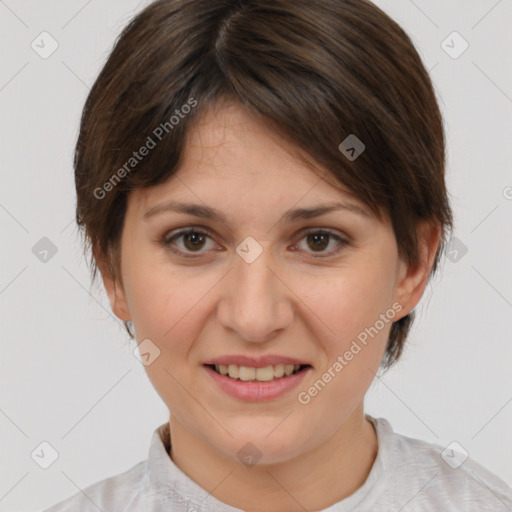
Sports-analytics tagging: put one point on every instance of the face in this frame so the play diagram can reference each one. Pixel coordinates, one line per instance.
(258, 283)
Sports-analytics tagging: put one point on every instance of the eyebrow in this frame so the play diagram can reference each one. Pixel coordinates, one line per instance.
(293, 215)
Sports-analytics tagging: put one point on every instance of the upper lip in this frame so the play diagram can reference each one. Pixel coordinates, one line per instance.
(255, 362)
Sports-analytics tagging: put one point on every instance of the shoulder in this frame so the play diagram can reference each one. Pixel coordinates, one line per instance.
(430, 476)
(111, 494)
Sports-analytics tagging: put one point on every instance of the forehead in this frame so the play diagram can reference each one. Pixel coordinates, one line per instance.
(230, 154)
(233, 142)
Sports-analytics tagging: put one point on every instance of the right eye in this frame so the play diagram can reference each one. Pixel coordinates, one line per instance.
(192, 241)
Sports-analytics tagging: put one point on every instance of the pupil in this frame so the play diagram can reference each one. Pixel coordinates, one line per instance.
(195, 238)
(322, 237)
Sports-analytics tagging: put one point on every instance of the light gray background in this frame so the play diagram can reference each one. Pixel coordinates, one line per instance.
(68, 375)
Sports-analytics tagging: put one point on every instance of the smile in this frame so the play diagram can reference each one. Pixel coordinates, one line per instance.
(248, 373)
(255, 384)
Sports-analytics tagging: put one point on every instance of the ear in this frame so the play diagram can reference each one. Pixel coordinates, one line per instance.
(113, 286)
(412, 280)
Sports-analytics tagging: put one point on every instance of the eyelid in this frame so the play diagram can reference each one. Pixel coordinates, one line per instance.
(329, 231)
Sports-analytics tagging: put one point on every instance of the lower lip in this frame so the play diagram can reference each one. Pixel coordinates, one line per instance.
(252, 391)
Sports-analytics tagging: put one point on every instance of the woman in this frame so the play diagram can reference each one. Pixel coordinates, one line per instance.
(261, 185)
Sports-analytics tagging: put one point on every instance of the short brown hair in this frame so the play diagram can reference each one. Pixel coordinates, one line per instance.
(316, 72)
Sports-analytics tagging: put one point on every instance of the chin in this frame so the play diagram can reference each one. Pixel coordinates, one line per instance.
(258, 442)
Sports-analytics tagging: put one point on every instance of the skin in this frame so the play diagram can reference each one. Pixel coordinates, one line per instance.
(289, 302)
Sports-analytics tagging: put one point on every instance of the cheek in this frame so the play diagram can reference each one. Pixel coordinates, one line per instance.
(351, 336)
(347, 302)
(167, 303)
(149, 291)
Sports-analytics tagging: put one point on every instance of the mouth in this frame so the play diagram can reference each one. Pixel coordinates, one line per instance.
(252, 374)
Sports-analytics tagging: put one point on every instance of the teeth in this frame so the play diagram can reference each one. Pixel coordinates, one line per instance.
(232, 371)
(265, 374)
(278, 370)
(247, 373)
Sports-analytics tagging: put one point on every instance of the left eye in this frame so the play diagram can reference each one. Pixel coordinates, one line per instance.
(194, 240)
(319, 240)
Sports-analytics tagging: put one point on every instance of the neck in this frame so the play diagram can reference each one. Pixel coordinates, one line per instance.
(314, 480)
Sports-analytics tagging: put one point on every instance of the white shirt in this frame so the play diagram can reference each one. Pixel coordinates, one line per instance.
(408, 475)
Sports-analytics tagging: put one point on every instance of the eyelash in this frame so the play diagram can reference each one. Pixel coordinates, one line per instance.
(167, 241)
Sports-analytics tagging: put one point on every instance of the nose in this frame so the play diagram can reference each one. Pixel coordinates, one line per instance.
(255, 302)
